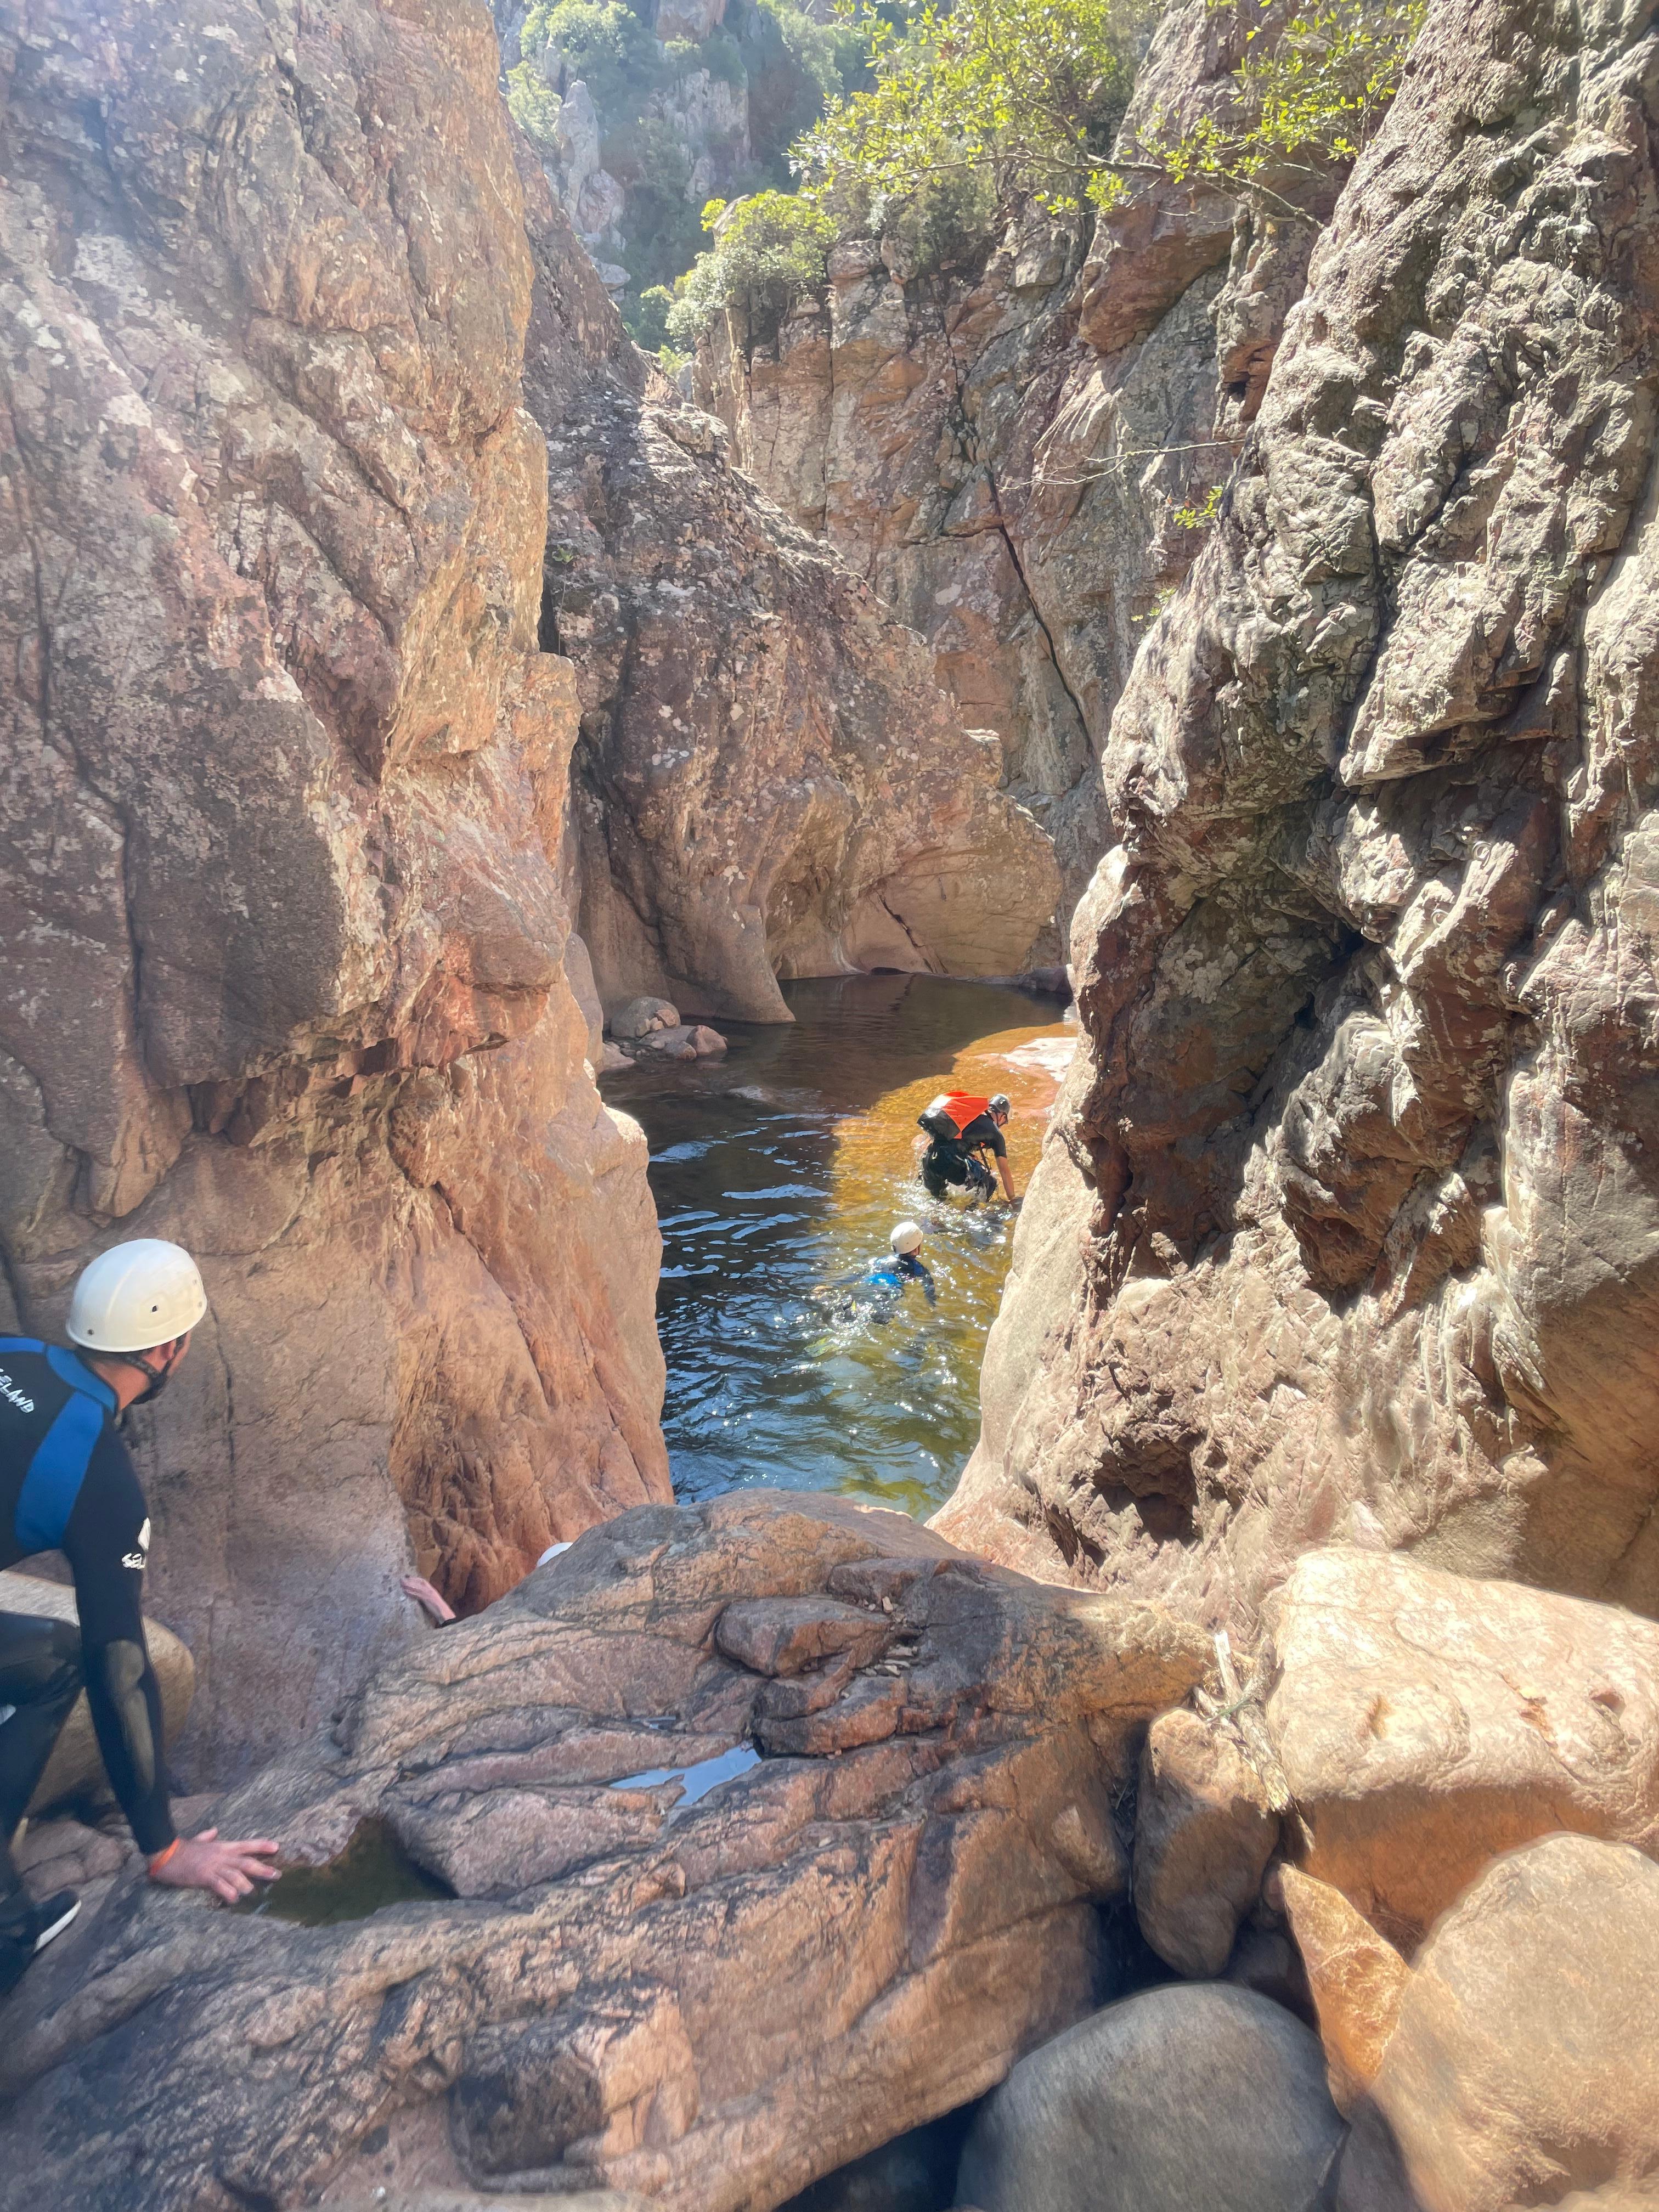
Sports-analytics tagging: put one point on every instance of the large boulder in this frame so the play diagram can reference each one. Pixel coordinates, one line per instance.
(288, 972)
(1204, 1833)
(1196, 2095)
(1363, 1136)
(1427, 1722)
(76, 1768)
(1525, 2065)
(672, 1966)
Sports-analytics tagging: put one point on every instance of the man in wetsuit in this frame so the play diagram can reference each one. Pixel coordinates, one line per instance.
(68, 1484)
(953, 1157)
(876, 1290)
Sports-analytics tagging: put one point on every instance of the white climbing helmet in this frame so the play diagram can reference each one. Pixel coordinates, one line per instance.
(135, 1295)
(906, 1237)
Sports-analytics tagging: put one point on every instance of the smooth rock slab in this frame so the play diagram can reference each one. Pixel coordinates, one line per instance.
(1525, 2064)
(710, 2003)
(1199, 2097)
(1428, 1722)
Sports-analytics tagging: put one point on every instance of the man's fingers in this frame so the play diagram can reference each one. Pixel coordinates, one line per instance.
(206, 1836)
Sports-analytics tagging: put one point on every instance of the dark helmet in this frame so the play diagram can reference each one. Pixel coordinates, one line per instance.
(1000, 1108)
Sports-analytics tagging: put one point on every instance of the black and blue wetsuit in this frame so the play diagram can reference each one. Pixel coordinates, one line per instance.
(959, 1160)
(68, 1484)
(878, 1289)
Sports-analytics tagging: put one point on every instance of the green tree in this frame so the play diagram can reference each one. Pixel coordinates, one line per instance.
(1029, 93)
(532, 103)
(769, 250)
(604, 44)
(1311, 99)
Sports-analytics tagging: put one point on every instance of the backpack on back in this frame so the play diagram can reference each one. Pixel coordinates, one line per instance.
(945, 1117)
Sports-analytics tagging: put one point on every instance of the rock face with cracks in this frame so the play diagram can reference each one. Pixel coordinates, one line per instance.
(287, 961)
(709, 1999)
(1005, 449)
(1348, 1224)
(769, 780)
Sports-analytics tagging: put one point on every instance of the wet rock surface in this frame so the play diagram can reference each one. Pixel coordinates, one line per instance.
(711, 2003)
(1355, 1180)
(288, 972)
(769, 780)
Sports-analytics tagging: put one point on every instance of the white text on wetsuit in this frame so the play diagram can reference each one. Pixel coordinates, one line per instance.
(9, 1389)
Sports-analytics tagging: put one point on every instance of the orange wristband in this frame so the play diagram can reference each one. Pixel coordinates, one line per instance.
(161, 1857)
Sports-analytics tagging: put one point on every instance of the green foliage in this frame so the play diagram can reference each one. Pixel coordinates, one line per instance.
(1201, 517)
(1026, 94)
(797, 68)
(604, 44)
(532, 103)
(652, 165)
(1317, 93)
(647, 317)
(719, 55)
(770, 248)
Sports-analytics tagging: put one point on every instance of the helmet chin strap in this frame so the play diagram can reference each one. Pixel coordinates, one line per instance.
(157, 1377)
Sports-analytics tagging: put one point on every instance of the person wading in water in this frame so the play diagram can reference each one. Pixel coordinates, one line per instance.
(68, 1484)
(963, 1129)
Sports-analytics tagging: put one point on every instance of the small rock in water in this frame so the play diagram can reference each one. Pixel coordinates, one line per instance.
(1193, 2096)
(682, 1042)
(640, 1017)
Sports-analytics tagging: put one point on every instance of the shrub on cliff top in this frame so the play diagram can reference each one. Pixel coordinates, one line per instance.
(1311, 94)
(603, 43)
(1026, 93)
(768, 249)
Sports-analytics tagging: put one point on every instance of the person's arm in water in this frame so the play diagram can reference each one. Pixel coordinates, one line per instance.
(985, 1131)
(921, 1272)
(105, 1542)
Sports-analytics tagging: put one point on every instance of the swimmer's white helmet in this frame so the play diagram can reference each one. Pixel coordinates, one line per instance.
(135, 1295)
(907, 1237)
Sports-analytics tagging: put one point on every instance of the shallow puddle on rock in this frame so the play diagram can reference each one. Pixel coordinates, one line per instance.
(786, 1167)
(698, 1779)
(373, 1871)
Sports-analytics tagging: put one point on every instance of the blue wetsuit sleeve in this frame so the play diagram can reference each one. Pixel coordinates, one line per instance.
(105, 1542)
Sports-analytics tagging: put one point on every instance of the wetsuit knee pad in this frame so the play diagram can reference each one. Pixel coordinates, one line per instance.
(38, 1657)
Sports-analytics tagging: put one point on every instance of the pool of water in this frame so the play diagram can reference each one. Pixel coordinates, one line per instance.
(780, 1171)
(373, 1870)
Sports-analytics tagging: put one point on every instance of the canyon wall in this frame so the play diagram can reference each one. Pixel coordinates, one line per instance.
(769, 780)
(286, 969)
(1016, 455)
(1347, 1226)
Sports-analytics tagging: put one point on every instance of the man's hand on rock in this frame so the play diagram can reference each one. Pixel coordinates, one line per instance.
(229, 1870)
(418, 1587)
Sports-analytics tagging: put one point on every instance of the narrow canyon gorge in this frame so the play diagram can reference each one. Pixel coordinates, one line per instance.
(1234, 601)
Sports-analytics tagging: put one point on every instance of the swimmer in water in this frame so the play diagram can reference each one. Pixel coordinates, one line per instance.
(877, 1290)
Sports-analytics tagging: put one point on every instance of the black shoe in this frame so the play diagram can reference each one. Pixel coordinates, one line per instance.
(53, 1917)
(29, 1933)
